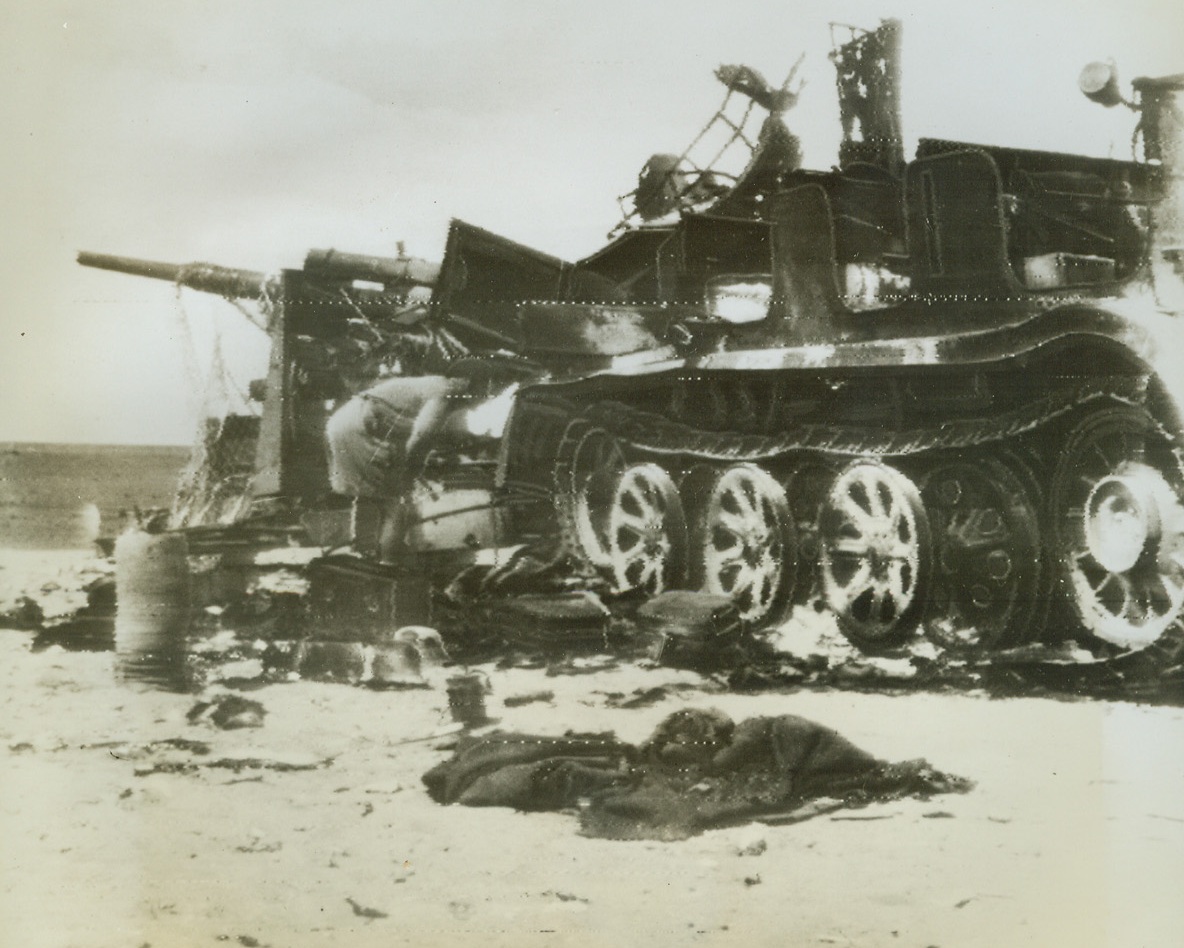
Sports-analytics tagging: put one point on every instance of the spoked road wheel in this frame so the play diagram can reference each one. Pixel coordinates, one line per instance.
(1118, 523)
(987, 552)
(588, 466)
(746, 542)
(874, 554)
(646, 541)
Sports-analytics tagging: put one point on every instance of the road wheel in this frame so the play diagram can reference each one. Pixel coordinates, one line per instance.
(588, 465)
(646, 542)
(874, 554)
(745, 545)
(1118, 525)
(986, 587)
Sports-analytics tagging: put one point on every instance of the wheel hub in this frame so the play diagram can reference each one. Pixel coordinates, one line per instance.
(1122, 519)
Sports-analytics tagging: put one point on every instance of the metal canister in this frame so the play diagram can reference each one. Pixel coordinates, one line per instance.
(466, 698)
(152, 615)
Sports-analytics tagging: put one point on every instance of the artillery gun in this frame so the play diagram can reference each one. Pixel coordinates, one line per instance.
(330, 324)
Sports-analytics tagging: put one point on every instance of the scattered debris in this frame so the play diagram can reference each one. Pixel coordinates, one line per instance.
(283, 764)
(88, 629)
(691, 629)
(363, 911)
(565, 897)
(755, 847)
(331, 661)
(427, 643)
(872, 668)
(517, 701)
(396, 664)
(561, 618)
(647, 697)
(228, 712)
(25, 615)
(256, 844)
(771, 676)
(183, 756)
(581, 665)
(433, 736)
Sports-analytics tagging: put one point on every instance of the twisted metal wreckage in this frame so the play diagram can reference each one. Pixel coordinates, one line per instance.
(928, 395)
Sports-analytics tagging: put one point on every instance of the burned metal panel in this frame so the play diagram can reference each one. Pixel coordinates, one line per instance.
(957, 238)
(290, 455)
(1162, 127)
(591, 329)
(706, 246)
(717, 246)
(1142, 182)
(1090, 211)
(484, 277)
(869, 216)
(805, 284)
(630, 262)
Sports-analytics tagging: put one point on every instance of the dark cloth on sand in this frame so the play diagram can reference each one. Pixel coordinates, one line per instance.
(697, 771)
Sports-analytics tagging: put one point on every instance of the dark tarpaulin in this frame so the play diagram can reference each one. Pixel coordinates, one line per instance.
(697, 771)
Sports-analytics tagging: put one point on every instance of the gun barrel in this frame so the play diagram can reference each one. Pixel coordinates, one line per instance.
(335, 265)
(203, 277)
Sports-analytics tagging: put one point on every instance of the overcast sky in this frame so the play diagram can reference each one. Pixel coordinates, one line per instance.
(245, 133)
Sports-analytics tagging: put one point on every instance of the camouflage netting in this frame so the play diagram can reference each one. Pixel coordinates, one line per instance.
(215, 487)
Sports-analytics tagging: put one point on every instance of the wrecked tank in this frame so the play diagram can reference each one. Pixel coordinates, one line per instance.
(927, 394)
(930, 395)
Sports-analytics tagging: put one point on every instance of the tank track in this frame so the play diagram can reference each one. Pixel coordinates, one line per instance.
(655, 434)
(648, 434)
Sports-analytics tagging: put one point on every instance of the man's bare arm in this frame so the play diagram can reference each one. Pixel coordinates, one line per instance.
(427, 423)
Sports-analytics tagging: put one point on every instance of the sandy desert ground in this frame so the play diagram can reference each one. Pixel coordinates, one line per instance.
(315, 829)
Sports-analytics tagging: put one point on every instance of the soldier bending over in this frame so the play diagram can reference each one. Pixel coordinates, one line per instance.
(378, 442)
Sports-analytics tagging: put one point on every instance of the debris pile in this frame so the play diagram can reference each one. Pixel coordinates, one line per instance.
(285, 613)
